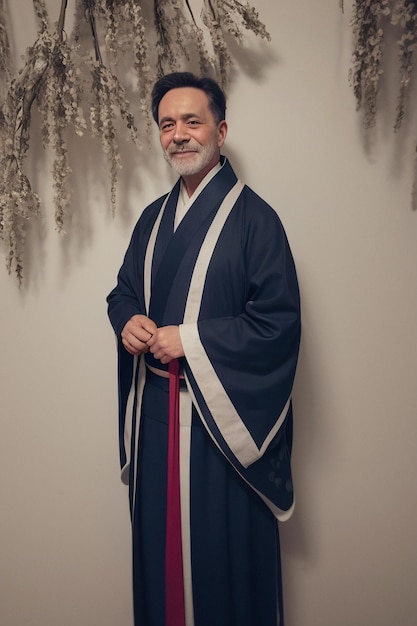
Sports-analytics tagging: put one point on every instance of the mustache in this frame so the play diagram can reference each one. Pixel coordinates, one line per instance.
(185, 147)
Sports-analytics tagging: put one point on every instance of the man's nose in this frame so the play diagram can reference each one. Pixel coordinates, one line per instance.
(181, 133)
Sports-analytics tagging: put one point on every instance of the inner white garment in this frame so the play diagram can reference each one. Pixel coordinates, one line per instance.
(185, 201)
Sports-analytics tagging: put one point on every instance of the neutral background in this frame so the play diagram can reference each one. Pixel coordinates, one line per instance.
(350, 550)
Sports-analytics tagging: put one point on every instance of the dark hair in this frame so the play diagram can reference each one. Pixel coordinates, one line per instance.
(176, 80)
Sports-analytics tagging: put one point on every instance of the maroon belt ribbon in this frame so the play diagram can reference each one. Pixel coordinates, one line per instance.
(174, 578)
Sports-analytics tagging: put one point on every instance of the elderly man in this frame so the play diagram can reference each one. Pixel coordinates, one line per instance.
(207, 316)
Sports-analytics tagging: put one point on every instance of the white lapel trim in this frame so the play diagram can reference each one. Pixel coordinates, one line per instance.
(234, 431)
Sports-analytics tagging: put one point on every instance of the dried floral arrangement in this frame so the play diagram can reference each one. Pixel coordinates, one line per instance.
(73, 81)
(375, 25)
(5, 60)
(373, 22)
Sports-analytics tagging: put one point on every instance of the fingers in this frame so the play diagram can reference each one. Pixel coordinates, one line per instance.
(165, 344)
(139, 323)
(136, 333)
(141, 335)
(149, 326)
(134, 346)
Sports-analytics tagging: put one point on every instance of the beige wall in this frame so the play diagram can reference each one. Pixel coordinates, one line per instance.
(349, 552)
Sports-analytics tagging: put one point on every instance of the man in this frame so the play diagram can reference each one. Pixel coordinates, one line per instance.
(206, 311)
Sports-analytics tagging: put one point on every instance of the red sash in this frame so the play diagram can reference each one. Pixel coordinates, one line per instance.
(174, 580)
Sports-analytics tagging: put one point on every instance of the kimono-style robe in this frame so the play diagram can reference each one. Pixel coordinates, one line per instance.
(226, 276)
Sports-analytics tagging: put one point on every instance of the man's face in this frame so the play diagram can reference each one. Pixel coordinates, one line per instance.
(189, 135)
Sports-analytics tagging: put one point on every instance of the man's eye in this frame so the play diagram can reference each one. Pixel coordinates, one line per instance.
(166, 126)
(193, 122)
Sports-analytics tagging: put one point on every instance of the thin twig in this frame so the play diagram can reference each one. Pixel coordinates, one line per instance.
(61, 20)
(191, 12)
(92, 21)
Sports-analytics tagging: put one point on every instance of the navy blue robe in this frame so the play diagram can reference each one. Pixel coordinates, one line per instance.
(227, 278)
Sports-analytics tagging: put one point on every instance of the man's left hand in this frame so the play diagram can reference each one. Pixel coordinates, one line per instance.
(165, 344)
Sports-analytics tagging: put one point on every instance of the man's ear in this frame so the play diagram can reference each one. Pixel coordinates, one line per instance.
(221, 133)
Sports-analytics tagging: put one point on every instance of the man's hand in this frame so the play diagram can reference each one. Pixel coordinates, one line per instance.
(165, 344)
(136, 333)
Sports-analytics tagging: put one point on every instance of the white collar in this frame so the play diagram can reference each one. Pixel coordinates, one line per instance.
(185, 201)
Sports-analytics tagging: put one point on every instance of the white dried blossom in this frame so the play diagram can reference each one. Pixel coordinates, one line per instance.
(5, 54)
(136, 39)
(18, 202)
(373, 24)
(368, 23)
(227, 17)
(108, 101)
(168, 58)
(404, 15)
(252, 22)
(59, 100)
(212, 21)
(195, 37)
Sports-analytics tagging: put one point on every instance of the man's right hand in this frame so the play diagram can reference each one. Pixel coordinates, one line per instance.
(138, 330)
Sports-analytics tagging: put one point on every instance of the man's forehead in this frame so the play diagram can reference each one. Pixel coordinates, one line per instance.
(184, 99)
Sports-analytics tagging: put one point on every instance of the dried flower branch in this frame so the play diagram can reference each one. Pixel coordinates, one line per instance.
(404, 14)
(177, 35)
(17, 199)
(371, 22)
(249, 19)
(220, 17)
(211, 19)
(125, 33)
(197, 37)
(368, 29)
(59, 105)
(51, 79)
(5, 54)
(165, 44)
(108, 95)
(131, 14)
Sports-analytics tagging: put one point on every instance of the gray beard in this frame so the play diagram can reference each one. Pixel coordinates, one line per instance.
(194, 164)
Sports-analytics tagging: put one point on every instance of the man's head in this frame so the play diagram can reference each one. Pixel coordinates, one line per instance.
(176, 80)
(190, 115)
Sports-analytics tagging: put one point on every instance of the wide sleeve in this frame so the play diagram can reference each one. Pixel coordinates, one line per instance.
(126, 299)
(241, 367)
